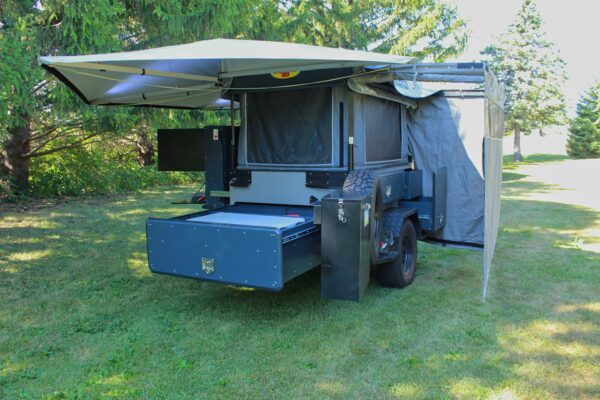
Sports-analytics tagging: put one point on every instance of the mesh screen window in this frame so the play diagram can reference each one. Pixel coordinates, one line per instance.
(383, 132)
(290, 127)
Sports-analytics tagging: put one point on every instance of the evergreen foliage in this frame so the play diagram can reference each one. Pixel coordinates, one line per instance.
(532, 73)
(40, 116)
(584, 136)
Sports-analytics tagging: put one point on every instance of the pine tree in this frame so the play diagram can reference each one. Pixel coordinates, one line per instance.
(532, 73)
(426, 29)
(584, 137)
(38, 116)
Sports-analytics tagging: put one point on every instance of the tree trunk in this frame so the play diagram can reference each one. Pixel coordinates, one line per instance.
(518, 157)
(144, 148)
(12, 162)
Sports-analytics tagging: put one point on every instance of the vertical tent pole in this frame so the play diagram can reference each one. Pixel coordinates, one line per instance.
(351, 113)
(232, 116)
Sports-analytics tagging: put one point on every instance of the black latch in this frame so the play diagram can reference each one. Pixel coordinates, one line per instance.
(240, 178)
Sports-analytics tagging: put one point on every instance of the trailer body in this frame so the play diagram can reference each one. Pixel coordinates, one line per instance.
(280, 169)
(341, 159)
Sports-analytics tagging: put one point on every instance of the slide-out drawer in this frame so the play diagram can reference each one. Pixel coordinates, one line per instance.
(262, 247)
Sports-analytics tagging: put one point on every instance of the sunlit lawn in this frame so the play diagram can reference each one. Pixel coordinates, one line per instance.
(81, 317)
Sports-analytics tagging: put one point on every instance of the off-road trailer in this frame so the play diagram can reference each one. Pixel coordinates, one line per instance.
(343, 160)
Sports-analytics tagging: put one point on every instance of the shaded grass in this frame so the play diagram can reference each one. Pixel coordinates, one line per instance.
(81, 316)
(509, 163)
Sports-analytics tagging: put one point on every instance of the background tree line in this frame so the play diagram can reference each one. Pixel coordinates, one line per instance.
(52, 143)
(533, 73)
(45, 130)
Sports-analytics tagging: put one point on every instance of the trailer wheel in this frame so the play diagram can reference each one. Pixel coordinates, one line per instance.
(401, 272)
(364, 180)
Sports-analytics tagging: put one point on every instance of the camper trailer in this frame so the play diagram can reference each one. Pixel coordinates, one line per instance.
(333, 158)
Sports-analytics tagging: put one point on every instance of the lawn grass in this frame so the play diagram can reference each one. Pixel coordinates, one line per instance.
(82, 318)
(509, 163)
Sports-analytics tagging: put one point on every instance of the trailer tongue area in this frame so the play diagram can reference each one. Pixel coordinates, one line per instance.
(244, 244)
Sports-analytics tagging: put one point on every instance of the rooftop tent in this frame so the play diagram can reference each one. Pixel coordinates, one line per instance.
(196, 74)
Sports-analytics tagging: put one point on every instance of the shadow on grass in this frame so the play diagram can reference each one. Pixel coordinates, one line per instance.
(514, 185)
(508, 159)
(512, 176)
(85, 318)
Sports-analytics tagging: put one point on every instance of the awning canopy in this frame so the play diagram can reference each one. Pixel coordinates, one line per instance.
(197, 74)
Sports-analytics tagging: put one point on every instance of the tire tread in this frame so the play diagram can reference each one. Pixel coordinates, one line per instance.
(361, 180)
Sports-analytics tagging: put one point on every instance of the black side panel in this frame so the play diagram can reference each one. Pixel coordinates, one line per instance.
(217, 144)
(180, 150)
(413, 182)
(431, 210)
(345, 245)
(324, 179)
(290, 127)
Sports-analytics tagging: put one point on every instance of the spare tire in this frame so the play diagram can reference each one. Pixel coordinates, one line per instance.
(365, 181)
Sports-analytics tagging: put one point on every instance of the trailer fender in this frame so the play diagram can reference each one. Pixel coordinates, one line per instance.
(393, 220)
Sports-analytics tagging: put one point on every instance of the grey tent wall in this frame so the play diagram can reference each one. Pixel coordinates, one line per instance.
(447, 131)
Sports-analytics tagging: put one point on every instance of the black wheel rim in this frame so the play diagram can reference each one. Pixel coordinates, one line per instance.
(407, 254)
(376, 228)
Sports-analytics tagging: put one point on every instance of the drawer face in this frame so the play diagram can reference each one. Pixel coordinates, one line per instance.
(230, 254)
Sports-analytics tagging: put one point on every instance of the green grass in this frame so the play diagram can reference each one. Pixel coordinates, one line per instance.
(82, 318)
(509, 162)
